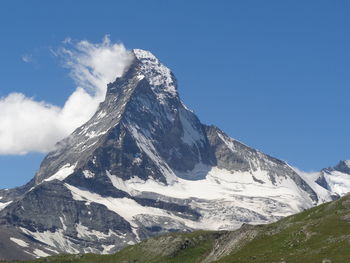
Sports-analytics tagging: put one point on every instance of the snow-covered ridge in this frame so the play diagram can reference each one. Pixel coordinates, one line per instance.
(334, 180)
(145, 55)
(338, 182)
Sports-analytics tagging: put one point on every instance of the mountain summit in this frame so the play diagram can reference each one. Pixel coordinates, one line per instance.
(143, 165)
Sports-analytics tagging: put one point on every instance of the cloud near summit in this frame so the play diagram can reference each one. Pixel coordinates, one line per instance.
(28, 125)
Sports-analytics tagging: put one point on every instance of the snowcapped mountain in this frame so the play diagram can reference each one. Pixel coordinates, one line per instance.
(336, 179)
(143, 165)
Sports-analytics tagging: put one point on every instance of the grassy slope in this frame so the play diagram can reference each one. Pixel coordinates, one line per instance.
(319, 234)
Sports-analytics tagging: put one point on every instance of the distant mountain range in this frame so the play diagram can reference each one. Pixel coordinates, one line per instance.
(145, 165)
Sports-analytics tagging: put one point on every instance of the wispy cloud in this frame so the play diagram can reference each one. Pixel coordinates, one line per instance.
(27, 58)
(67, 40)
(28, 125)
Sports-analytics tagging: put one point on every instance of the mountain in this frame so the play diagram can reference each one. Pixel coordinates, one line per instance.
(145, 165)
(320, 234)
(336, 179)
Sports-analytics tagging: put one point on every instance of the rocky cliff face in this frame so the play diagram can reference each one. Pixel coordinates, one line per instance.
(144, 165)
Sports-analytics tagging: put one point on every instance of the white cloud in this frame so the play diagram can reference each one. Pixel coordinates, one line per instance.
(33, 126)
(67, 40)
(27, 58)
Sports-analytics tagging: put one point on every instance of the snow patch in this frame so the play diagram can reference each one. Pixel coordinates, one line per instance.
(3, 205)
(62, 173)
(91, 234)
(88, 174)
(39, 253)
(125, 207)
(191, 135)
(19, 242)
(107, 248)
(310, 178)
(140, 77)
(338, 182)
(101, 114)
(94, 134)
(131, 211)
(120, 183)
(54, 239)
(63, 223)
(146, 145)
(225, 199)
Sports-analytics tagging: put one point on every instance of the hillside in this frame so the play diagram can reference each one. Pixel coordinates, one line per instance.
(320, 234)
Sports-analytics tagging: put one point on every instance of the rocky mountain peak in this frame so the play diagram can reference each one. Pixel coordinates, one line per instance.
(144, 106)
(155, 72)
(147, 67)
(343, 166)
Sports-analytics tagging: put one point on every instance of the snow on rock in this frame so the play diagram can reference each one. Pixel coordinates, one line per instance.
(85, 233)
(329, 181)
(338, 182)
(148, 148)
(56, 240)
(218, 184)
(3, 205)
(191, 134)
(125, 207)
(107, 248)
(158, 75)
(39, 253)
(324, 195)
(19, 242)
(88, 174)
(225, 198)
(62, 173)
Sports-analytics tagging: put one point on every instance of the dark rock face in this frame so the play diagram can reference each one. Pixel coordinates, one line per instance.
(321, 180)
(60, 199)
(144, 165)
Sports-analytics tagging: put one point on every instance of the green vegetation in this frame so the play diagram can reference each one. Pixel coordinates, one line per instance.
(320, 235)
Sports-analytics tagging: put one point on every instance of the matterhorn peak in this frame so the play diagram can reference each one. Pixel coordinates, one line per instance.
(142, 54)
(145, 67)
(157, 74)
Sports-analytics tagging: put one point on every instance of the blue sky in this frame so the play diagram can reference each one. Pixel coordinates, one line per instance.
(272, 74)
